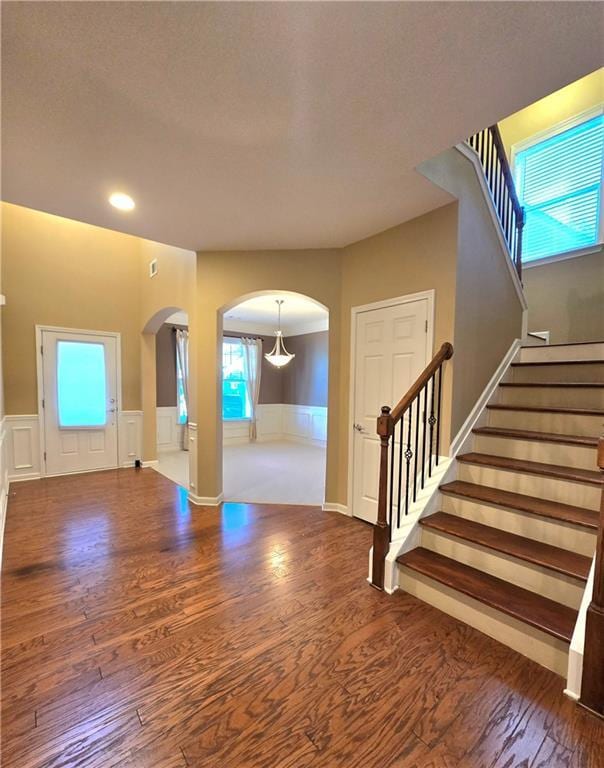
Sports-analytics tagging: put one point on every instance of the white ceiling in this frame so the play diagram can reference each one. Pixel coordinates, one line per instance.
(265, 125)
(259, 315)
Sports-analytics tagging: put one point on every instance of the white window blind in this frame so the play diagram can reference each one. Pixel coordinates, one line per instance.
(559, 183)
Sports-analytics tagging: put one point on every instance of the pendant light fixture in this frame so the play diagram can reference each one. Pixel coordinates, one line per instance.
(279, 356)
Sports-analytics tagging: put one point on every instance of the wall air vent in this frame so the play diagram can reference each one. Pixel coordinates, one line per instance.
(153, 268)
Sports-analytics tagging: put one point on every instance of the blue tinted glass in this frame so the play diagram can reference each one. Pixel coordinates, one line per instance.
(81, 387)
(234, 391)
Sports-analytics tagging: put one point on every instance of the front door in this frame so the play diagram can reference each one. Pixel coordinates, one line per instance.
(391, 351)
(79, 401)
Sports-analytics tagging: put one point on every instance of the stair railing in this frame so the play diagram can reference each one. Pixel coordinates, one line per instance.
(488, 145)
(592, 683)
(407, 463)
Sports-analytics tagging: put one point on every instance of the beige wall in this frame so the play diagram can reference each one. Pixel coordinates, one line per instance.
(65, 273)
(223, 279)
(419, 255)
(561, 105)
(567, 298)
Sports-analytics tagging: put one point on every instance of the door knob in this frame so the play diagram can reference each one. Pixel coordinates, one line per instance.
(358, 427)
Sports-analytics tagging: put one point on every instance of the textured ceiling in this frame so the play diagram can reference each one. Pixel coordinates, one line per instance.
(265, 125)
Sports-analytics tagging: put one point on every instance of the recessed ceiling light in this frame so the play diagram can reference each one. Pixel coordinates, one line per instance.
(121, 201)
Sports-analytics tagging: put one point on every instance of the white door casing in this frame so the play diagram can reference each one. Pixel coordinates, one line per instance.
(392, 344)
(77, 448)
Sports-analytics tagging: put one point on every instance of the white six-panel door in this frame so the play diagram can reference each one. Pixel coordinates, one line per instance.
(391, 350)
(79, 401)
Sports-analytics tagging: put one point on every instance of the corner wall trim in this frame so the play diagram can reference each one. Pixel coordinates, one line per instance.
(329, 506)
(206, 501)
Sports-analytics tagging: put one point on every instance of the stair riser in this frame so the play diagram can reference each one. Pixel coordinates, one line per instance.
(550, 584)
(572, 537)
(549, 373)
(545, 650)
(529, 450)
(576, 494)
(561, 423)
(553, 397)
(563, 352)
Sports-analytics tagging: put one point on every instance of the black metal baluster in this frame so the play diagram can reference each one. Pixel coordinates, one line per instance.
(424, 433)
(391, 507)
(408, 457)
(431, 422)
(417, 410)
(440, 376)
(400, 474)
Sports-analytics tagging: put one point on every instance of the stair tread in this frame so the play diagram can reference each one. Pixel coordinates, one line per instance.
(558, 362)
(547, 409)
(555, 510)
(536, 552)
(540, 612)
(554, 384)
(589, 476)
(544, 437)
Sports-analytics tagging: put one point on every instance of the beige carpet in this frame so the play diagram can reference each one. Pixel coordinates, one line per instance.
(271, 473)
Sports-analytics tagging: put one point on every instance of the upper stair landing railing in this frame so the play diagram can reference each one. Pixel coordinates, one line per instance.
(407, 459)
(489, 147)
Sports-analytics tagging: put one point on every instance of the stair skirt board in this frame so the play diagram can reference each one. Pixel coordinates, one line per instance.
(543, 529)
(545, 421)
(535, 450)
(543, 581)
(556, 397)
(553, 489)
(587, 372)
(546, 650)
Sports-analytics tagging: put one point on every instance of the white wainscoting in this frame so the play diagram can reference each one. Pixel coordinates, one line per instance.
(130, 437)
(22, 452)
(169, 431)
(299, 423)
(22, 436)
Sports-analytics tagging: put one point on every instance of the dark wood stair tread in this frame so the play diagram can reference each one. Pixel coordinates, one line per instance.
(588, 476)
(555, 384)
(539, 437)
(557, 362)
(554, 510)
(546, 615)
(547, 409)
(529, 550)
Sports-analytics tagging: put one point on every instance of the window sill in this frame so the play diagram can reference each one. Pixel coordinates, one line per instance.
(575, 254)
(245, 420)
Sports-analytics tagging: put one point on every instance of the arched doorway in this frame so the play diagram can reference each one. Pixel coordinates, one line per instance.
(274, 416)
(167, 393)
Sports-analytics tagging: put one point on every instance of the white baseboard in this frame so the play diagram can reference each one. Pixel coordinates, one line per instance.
(343, 509)
(206, 501)
(152, 464)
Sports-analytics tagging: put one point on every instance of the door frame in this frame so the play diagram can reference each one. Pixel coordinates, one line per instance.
(40, 381)
(354, 311)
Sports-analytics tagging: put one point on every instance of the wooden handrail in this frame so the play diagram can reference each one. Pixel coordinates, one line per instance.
(592, 683)
(444, 353)
(413, 438)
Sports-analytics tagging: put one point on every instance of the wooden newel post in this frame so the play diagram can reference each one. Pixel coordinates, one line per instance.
(592, 683)
(381, 529)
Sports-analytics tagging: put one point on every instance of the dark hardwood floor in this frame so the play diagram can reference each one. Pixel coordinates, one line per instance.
(139, 631)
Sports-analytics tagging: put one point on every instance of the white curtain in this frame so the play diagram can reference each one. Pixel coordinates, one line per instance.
(252, 359)
(182, 370)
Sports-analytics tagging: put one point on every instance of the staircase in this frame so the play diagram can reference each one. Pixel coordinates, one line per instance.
(510, 550)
